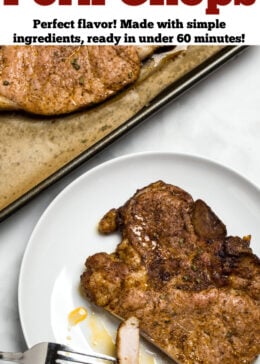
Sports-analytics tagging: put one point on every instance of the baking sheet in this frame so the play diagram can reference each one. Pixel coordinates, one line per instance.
(37, 151)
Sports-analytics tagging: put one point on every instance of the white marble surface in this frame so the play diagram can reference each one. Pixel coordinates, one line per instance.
(218, 119)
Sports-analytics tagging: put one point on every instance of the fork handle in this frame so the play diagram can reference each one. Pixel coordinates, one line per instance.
(10, 356)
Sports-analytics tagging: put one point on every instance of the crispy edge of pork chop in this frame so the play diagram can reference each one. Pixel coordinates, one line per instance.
(197, 298)
(53, 80)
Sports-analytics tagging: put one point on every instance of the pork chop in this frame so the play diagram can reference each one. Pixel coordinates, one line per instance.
(194, 290)
(60, 79)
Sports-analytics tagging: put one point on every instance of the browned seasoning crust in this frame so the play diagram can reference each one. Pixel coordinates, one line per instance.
(61, 79)
(194, 290)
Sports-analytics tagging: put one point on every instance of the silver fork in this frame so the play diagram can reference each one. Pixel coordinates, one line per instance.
(51, 353)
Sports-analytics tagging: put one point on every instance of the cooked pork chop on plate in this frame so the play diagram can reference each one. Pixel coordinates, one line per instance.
(194, 289)
(53, 80)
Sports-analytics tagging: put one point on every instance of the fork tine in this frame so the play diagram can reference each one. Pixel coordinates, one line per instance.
(82, 360)
(61, 358)
(83, 356)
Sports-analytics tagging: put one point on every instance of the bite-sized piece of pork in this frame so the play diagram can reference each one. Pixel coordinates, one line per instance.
(127, 341)
(60, 79)
(194, 290)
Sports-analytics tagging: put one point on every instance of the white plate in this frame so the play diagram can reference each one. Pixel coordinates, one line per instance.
(66, 233)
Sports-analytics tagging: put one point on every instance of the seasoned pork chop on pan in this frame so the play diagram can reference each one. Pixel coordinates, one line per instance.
(60, 79)
(194, 289)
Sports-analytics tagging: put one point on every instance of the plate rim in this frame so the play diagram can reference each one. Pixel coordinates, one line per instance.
(77, 180)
